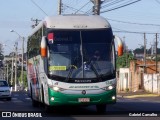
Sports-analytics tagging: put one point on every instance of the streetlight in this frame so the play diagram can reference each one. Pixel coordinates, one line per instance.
(22, 58)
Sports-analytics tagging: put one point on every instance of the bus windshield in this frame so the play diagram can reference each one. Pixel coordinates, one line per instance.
(81, 55)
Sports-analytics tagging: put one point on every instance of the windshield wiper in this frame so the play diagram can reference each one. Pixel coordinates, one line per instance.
(93, 68)
(95, 71)
(71, 69)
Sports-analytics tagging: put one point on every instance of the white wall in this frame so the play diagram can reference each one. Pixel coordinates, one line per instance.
(123, 82)
(152, 83)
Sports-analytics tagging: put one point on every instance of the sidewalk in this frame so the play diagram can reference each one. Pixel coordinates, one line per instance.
(138, 94)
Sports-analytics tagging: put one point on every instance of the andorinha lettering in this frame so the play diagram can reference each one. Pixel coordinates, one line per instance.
(83, 87)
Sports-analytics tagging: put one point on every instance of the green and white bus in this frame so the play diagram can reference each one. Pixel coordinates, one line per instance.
(62, 68)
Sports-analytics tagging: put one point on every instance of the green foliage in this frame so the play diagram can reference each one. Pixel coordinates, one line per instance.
(1, 56)
(1, 52)
(124, 60)
(24, 78)
(1, 48)
(139, 50)
(127, 89)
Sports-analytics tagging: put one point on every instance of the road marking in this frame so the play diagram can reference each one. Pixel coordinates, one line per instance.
(28, 98)
(149, 101)
(142, 95)
(16, 95)
(14, 98)
(18, 101)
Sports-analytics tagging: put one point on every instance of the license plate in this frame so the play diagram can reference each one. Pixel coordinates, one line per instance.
(84, 100)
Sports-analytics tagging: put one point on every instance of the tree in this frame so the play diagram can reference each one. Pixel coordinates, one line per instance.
(1, 52)
(124, 60)
(1, 48)
(139, 50)
(24, 79)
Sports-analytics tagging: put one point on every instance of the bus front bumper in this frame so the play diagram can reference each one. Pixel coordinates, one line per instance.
(58, 98)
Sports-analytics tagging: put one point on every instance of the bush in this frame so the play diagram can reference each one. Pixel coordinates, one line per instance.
(127, 90)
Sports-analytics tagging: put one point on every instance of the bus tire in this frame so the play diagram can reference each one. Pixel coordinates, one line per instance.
(42, 92)
(30, 91)
(9, 99)
(101, 108)
(34, 102)
(47, 108)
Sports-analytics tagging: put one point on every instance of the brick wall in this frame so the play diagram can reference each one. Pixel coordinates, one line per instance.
(136, 73)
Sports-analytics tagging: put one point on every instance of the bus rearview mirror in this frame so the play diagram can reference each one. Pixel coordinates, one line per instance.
(120, 45)
(43, 47)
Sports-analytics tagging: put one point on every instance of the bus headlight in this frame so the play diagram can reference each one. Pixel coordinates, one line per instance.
(113, 97)
(55, 88)
(109, 87)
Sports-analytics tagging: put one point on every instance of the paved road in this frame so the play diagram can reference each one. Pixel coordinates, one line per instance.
(22, 103)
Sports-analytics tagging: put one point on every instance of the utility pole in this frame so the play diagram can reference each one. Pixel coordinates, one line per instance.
(15, 84)
(36, 22)
(22, 38)
(22, 63)
(126, 51)
(156, 51)
(12, 74)
(144, 68)
(7, 72)
(97, 6)
(60, 7)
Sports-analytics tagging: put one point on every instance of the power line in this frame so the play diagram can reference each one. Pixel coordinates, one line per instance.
(74, 9)
(112, 3)
(89, 12)
(134, 32)
(70, 3)
(82, 7)
(121, 6)
(157, 1)
(157, 25)
(38, 7)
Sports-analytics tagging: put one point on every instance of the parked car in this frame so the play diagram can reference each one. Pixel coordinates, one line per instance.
(5, 91)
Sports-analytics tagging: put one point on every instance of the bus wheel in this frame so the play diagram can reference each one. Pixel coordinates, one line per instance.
(47, 108)
(42, 92)
(9, 99)
(101, 108)
(35, 103)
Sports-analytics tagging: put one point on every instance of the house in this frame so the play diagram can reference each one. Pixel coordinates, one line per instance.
(138, 76)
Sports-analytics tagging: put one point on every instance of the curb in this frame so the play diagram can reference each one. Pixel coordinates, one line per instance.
(138, 96)
(143, 95)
